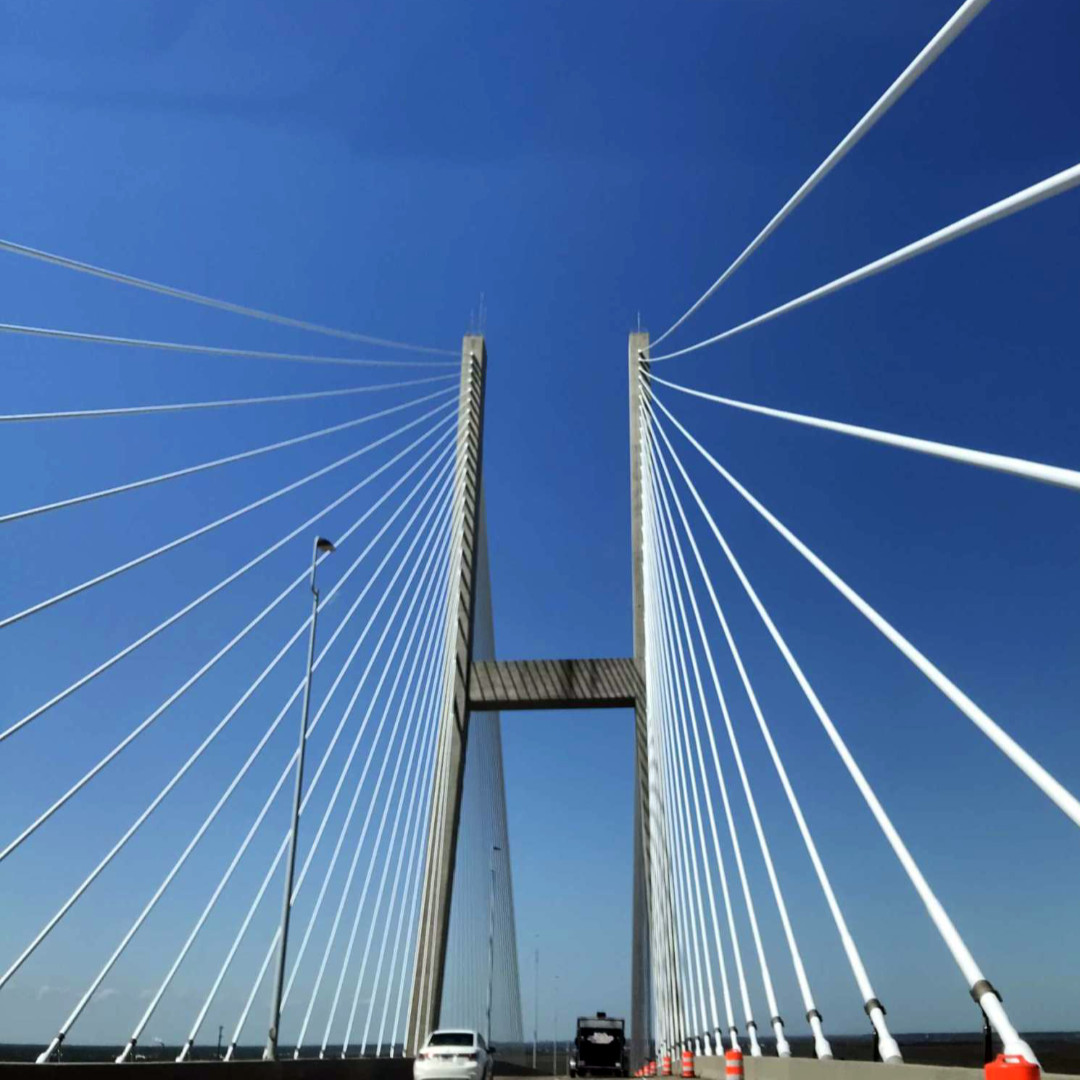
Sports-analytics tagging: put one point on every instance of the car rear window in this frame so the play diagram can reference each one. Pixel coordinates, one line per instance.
(451, 1038)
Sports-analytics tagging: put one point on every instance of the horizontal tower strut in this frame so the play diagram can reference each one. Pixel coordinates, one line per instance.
(555, 684)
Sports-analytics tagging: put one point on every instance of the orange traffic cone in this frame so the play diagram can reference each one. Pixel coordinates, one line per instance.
(687, 1064)
(1011, 1067)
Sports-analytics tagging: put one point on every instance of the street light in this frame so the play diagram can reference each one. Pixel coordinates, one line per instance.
(555, 1034)
(491, 939)
(320, 546)
(536, 999)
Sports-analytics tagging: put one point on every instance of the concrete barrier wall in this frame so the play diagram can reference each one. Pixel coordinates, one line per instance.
(773, 1068)
(304, 1069)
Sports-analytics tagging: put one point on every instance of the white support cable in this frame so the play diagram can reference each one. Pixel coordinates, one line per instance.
(428, 914)
(222, 352)
(146, 813)
(1021, 200)
(415, 911)
(188, 406)
(888, 1047)
(782, 1045)
(432, 701)
(426, 686)
(407, 889)
(427, 559)
(171, 545)
(1029, 470)
(65, 1027)
(1058, 794)
(672, 877)
(208, 301)
(230, 578)
(302, 876)
(983, 992)
(76, 500)
(269, 875)
(750, 1024)
(822, 1048)
(411, 690)
(286, 772)
(44, 1057)
(725, 986)
(221, 884)
(676, 715)
(418, 853)
(686, 706)
(326, 754)
(660, 958)
(668, 955)
(156, 714)
(361, 902)
(929, 53)
(429, 903)
(681, 845)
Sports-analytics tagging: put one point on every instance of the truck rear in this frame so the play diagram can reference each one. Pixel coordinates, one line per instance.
(599, 1047)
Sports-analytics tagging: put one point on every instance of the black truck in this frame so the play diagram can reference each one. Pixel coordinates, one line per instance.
(599, 1047)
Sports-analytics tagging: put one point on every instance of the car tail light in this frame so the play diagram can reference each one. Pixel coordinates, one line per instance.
(471, 1057)
(423, 1055)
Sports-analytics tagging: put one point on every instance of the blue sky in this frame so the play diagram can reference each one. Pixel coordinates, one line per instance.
(378, 167)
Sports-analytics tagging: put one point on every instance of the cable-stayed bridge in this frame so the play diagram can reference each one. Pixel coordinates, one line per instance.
(321, 855)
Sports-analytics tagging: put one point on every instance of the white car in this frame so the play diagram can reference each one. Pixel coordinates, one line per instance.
(454, 1055)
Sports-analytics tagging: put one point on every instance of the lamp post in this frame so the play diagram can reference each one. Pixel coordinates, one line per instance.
(318, 547)
(491, 940)
(555, 1034)
(536, 1001)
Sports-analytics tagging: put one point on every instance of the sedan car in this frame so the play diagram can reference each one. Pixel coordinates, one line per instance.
(454, 1055)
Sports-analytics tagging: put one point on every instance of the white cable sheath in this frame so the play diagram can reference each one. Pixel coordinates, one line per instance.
(669, 586)
(187, 406)
(930, 52)
(302, 876)
(822, 1048)
(1055, 791)
(888, 1047)
(755, 1048)
(415, 911)
(287, 771)
(131, 831)
(217, 892)
(427, 559)
(675, 713)
(203, 350)
(421, 690)
(139, 560)
(674, 856)
(333, 740)
(229, 579)
(207, 301)
(431, 701)
(667, 955)
(199, 673)
(1030, 470)
(1021, 200)
(782, 1045)
(362, 900)
(75, 500)
(988, 999)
